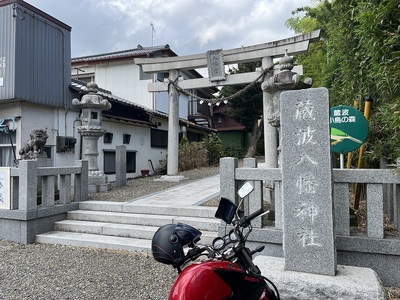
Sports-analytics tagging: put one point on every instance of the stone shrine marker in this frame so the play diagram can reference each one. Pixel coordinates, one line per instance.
(308, 233)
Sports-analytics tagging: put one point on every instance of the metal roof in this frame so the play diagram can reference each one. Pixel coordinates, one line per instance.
(34, 9)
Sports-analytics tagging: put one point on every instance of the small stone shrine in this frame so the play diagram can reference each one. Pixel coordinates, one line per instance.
(91, 129)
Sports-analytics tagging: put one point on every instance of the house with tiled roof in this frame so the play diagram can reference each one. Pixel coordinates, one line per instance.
(38, 81)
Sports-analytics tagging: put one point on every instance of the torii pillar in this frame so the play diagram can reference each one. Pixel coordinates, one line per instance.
(270, 132)
(173, 131)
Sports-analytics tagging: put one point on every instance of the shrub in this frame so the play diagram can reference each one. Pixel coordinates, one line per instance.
(192, 155)
(235, 152)
(214, 148)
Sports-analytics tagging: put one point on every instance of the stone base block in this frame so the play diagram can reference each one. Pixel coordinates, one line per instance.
(349, 283)
(99, 188)
(171, 178)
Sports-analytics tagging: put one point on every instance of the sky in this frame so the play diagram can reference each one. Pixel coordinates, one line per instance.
(187, 26)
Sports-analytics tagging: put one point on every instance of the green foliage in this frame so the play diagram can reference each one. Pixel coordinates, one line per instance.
(359, 56)
(386, 127)
(247, 108)
(234, 152)
(214, 148)
(192, 155)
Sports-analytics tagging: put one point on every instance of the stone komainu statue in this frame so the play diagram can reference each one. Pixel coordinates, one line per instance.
(35, 145)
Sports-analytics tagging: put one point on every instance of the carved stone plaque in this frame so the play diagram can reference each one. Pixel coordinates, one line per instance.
(215, 64)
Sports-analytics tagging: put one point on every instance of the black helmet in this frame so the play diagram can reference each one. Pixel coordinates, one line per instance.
(169, 240)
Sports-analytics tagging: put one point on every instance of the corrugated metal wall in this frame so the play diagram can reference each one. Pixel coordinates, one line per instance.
(42, 51)
(7, 52)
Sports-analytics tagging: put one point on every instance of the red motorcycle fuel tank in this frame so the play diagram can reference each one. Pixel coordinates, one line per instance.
(214, 280)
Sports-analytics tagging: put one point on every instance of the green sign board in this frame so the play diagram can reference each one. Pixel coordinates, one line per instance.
(349, 129)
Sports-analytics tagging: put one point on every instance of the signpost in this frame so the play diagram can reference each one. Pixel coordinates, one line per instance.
(5, 188)
(349, 130)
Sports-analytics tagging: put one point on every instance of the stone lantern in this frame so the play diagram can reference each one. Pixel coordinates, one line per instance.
(272, 87)
(91, 106)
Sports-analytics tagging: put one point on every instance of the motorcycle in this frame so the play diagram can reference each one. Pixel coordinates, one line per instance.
(228, 272)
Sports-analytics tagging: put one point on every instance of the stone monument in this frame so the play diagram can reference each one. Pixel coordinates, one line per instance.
(308, 222)
(91, 129)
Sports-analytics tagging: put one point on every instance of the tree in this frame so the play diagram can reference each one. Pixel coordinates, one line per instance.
(246, 109)
(359, 56)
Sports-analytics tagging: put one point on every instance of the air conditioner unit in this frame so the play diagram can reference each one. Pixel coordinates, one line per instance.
(65, 143)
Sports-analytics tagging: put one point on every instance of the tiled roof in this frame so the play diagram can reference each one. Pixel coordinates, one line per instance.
(80, 87)
(137, 52)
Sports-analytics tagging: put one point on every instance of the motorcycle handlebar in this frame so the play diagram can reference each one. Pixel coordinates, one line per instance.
(246, 220)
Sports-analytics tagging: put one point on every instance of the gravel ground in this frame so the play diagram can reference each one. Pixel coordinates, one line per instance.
(60, 272)
(48, 272)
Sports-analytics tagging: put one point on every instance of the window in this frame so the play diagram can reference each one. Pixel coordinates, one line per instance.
(48, 151)
(130, 162)
(126, 138)
(7, 153)
(110, 161)
(143, 75)
(192, 137)
(159, 138)
(108, 137)
(161, 76)
(82, 76)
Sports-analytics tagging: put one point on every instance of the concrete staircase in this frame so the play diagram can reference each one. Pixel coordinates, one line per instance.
(126, 226)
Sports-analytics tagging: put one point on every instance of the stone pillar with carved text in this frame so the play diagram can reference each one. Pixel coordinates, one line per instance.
(308, 221)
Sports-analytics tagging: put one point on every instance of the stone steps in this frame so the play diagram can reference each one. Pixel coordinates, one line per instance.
(121, 226)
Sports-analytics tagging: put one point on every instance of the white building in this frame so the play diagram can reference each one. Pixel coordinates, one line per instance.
(36, 92)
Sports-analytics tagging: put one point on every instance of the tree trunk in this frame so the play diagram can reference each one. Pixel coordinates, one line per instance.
(255, 136)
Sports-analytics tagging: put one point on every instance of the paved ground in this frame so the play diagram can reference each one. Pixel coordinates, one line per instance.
(190, 194)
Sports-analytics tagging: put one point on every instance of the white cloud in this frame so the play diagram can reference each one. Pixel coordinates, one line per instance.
(188, 26)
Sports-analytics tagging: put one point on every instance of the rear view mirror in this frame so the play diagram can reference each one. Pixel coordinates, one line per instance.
(226, 210)
(245, 189)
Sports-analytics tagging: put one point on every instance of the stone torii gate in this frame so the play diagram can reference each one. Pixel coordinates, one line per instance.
(216, 60)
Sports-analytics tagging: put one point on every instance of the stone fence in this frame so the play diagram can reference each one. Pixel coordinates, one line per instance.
(372, 249)
(40, 196)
